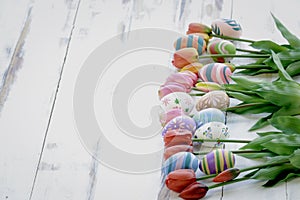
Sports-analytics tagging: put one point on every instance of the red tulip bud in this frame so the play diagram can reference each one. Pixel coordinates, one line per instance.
(179, 179)
(193, 67)
(227, 175)
(176, 137)
(208, 86)
(167, 89)
(175, 149)
(198, 28)
(194, 191)
(182, 79)
(185, 56)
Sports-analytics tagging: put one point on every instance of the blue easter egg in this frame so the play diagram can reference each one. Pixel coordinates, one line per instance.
(208, 115)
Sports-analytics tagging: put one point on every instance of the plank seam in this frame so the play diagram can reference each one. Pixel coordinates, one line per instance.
(54, 101)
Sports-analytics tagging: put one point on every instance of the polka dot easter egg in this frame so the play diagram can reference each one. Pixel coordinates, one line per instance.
(178, 100)
(215, 72)
(217, 161)
(191, 40)
(213, 99)
(212, 130)
(226, 27)
(208, 115)
(180, 123)
(180, 160)
(221, 47)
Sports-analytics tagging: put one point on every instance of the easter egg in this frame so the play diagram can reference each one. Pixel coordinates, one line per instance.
(191, 40)
(221, 47)
(212, 130)
(178, 100)
(213, 99)
(226, 27)
(215, 72)
(180, 123)
(180, 160)
(208, 115)
(217, 161)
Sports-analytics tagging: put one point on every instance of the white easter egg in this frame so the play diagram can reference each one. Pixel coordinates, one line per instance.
(212, 130)
(177, 100)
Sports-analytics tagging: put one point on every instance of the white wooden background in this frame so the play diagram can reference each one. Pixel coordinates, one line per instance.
(43, 44)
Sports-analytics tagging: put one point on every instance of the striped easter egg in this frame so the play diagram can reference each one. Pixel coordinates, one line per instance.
(221, 47)
(215, 72)
(180, 123)
(217, 161)
(208, 115)
(191, 40)
(180, 160)
(226, 27)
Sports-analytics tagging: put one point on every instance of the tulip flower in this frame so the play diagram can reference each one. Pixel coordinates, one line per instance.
(183, 79)
(208, 86)
(190, 74)
(179, 179)
(169, 151)
(227, 175)
(185, 56)
(198, 28)
(194, 191)
(167, 89)
(167, 116)
(177, 137)
(193, 67)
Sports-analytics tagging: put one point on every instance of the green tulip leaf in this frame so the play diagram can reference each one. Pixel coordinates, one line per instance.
(287, 124)
(271, 173)
(282, 73)
(256, 144)
(291, 38)
(261, 123)
(283, 144)
(268, 45)
(295, 159)
(293, 69)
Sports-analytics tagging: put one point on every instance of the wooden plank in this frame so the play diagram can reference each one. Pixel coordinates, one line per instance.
(13, 33)
(27, 110)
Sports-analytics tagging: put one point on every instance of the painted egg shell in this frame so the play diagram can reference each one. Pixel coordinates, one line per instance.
(180, 160)
(221, 47)
(213, 99)
(215, 72)
(208, 115)
(179, 100)
(180, 123)
(226, 27)
(212, 130)
(192, 40)
(167, 116)
(217, 161)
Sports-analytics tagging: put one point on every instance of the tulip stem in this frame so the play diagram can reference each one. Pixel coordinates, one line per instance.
(235, 152)
(249, 51)
(198, 94)
(232, 38)
(228, 182)
(235, 55)
(263, 166)
(220, 140)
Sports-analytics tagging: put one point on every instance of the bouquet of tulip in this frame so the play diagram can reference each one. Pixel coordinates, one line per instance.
(191, 128)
